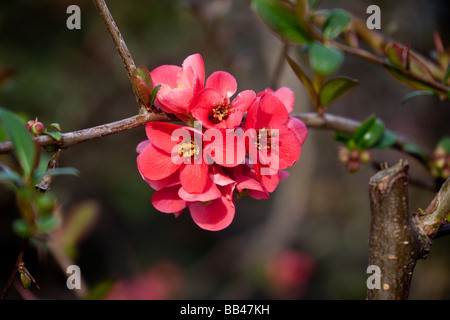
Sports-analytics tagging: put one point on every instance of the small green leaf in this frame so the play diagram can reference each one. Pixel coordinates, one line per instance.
(281, 19)
(416, 84)
(142, 84)
(24, 148)
(21, 228)
(394, 55)
(58, 172)
(11, 176)
(342, 137)
(324, 60)
(336, 88)
(301, 75)
(153, 95)
(369, 132)
(335, 23)
(388, 139)
(54, 134)
(363, 128)
(414, 149)
(53, 127)
(416, 94)
(445, 144)
(47, 223)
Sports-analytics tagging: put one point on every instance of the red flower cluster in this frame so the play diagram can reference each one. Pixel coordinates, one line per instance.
(218, 154)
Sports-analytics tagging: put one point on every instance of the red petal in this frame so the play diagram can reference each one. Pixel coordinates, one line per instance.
(194, 177)
(203, 104)
(211, 192)
(167, 200)
(223, 82)
(166, 74)
(289, 149)
(287, 96)
(195, 61)
(167, 136)
(142, 145)
(154, 164)
(267, 111)
(240, 105)
(214, 216)
(171, 180)
(299, 128)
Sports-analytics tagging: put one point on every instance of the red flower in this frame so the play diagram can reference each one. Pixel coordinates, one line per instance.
(213, 107)
(170, 151)
(272, 144)
(181, 178)
(179, 85)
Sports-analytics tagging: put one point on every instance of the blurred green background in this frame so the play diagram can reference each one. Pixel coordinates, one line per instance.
(320, 213)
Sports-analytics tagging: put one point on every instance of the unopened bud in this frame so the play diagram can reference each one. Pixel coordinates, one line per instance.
(343, 154)
(353, 166)
(30, 124)
(439, 157)
(366, 156)
(355, 155)
(37, 128)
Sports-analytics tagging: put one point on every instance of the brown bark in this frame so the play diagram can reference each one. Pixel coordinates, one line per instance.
(397, 239)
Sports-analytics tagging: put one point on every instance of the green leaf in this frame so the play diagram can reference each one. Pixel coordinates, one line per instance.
(388, 139)
(369, 132)
(416, 84)
(11, 176)
(58, 172)
(336, 88)
(301, 75)
(54, 134)
(445, 144)
(281, 20)
(53, 127)
(21, 228)
(24, 148)
(153, 95)
(324, 60)
(342, 137)
(142, 84)
(415, 94)
(47, 223)
(414, 149)
(335, 23)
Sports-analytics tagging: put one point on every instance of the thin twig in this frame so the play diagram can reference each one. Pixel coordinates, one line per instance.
(76, 137)
(19, 262)
(116, 36)
(382, 62)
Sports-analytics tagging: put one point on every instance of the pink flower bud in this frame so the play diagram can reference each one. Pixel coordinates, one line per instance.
(343, 154)
(353, 166)
(355, 155)
(30, 124)
(37, 128)
(366, 156)
(439, 157)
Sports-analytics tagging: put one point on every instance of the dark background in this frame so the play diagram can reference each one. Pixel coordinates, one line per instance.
(76, 78)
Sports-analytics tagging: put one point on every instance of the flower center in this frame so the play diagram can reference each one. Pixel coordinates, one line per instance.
(188, 150)
(220, 111)
(264, 139)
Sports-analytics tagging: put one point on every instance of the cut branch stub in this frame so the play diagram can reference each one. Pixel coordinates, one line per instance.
(397, 239)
